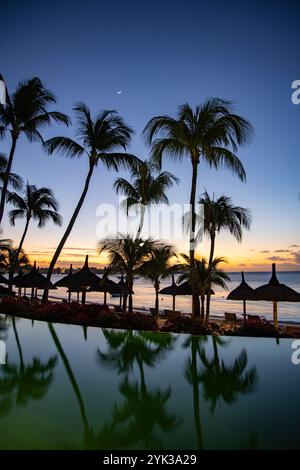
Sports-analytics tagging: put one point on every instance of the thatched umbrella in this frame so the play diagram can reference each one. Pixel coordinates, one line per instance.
(275, 292)
(33, 280)
(242, 292)
(3, 279)
(83, 279)
(104, 285)
(66, 281)
(121, 289)
(173, 290)
(77, 290)
(182, 289)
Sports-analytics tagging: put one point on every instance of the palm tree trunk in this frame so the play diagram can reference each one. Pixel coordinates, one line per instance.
(202, 307)
(156, 301)
(7, 171)
(195, 301)
(70, 226)
(143, 210)
(20, 247)
(211, 257)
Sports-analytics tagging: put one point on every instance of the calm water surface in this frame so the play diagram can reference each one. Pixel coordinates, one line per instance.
(66, 387)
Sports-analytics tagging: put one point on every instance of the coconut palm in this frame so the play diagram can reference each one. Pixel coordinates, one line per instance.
(206, 276)
(36, 203)
(14, 180)
(5, 243)
(221, 214)
(210, 132)
(102, 139)
(127, 255)
(145, 189)
(26, 113)
(8, 257)
(158, 268)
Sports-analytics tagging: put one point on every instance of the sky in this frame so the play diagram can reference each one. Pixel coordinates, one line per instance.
(161, 54)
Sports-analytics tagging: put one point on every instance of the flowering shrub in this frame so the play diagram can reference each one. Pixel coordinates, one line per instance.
(13, 306)
(258, 328)
(138, 321)
(185, 324)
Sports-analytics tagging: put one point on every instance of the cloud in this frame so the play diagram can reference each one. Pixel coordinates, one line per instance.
(294, 246)
(242, 264)
(282, 251)
(296, 256)
(252, 249)
(277, 258)
(265, 251)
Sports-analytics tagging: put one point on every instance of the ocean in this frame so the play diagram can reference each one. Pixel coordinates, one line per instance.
(144, 296)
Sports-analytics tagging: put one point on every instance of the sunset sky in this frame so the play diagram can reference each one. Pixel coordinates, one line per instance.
(160, 54)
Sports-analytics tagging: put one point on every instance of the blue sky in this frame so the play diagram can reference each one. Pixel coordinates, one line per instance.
(162, 54)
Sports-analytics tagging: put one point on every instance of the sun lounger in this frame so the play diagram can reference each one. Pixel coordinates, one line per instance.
(255, 317)
(230, 317)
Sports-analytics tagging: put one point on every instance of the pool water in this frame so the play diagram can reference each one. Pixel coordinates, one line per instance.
(69, 387)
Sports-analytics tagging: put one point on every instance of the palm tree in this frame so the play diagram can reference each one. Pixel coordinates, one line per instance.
(219, 215)
(145, 189)
(127, 255)
(157, 268)
(5, 243)
(8, 258)
(26, 112)
(101, 138)
(14, 180)
(206, 277)
(209, 132)
(38, 204)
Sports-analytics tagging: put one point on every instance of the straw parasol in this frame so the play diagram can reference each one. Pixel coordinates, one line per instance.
(33, 280)
(242, 292)
(275, 292)
(66, 281)
(173, 290)
(182, 289)
(104, 285)
(83, 279)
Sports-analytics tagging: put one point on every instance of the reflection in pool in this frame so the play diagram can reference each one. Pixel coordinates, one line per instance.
(68, 387)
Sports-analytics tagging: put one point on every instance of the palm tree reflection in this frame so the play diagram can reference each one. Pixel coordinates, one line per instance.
(144, 411)
(219, 381)
(29, 381)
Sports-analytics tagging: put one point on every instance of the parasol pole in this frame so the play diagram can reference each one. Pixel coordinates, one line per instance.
(275, 316)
